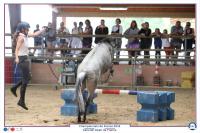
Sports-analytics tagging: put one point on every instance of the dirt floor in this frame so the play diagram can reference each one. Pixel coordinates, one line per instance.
(44, 104)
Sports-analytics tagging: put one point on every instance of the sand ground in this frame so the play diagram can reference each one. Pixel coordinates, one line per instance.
(44, 104)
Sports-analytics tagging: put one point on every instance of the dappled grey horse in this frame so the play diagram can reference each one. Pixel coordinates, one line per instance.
(97, 62)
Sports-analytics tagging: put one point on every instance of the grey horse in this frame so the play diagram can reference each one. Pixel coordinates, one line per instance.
(96, 63)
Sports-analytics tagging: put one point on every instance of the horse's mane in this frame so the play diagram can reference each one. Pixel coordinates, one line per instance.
(107, 41)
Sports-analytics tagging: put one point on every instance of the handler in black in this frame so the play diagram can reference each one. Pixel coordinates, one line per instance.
(21, 58)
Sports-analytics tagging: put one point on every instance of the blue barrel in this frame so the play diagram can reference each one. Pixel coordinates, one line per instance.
(155, 106)
(70, 107)
(17, 74)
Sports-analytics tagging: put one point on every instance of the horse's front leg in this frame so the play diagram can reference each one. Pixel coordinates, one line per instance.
(111, 71)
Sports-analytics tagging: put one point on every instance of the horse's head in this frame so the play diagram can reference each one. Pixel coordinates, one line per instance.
(111, 42)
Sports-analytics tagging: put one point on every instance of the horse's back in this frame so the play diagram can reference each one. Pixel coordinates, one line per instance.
(96, 58)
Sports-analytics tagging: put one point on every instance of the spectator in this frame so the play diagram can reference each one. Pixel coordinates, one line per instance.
(133, 42)
(38, 40)
(157, 44)
(101, 30)
(51, 41)
(80, 28)
(142, 25)
(87, 41)
(117, 30)
(64, 42)
(76, 41)
(166, 45)
(188, 42)
(176, 30)
(145, 43)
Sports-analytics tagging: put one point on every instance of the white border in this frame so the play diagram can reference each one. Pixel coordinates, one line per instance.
(75, 128)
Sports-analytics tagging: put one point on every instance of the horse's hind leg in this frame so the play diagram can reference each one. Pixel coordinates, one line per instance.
(86, 108)
(91, 86)
(79, 112)
(79, 116)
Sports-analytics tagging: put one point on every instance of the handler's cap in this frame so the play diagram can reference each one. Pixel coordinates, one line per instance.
(22, 25)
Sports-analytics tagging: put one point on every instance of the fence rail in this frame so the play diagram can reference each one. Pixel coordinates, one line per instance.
(120, 36)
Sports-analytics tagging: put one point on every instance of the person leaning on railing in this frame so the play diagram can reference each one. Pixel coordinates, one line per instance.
(166, 45)
(50, 41)
(188, 32)
(157, 44)
(145, 43)
(117, 30)
(64, 42)
(87, 41)
(38, 40)
(101, 30)
(176, 43)
(76, 42)
(133, 42)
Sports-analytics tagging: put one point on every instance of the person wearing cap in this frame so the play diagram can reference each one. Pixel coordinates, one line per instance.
(21, 58)
(188, 32)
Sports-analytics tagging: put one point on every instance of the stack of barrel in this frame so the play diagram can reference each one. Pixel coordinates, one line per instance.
(139, 77)
(70, 107)
(187, 79)
(155, 106)
(156, 79)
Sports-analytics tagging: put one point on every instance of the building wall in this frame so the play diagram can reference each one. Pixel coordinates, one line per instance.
(123, 74)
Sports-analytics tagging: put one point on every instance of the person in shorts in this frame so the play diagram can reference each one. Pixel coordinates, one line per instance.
(166, 45)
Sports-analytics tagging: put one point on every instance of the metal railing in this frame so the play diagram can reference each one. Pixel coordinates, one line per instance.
(134, 59)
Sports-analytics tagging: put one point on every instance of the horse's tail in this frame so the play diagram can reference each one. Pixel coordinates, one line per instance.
(81, 76)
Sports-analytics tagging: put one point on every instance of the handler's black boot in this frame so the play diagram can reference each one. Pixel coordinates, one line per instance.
(14, 88)
(22, 97)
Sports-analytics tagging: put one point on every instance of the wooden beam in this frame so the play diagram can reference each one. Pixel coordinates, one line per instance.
(15, 16)
(137, 10)
(54, 18)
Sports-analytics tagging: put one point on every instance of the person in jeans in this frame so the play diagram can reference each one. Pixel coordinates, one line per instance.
(38, 40)
(189, 41)
(145, 43)
(64, 41)
(21, 59)
(157, 44)
(117, 30)
(51, 41)
(176, 43)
